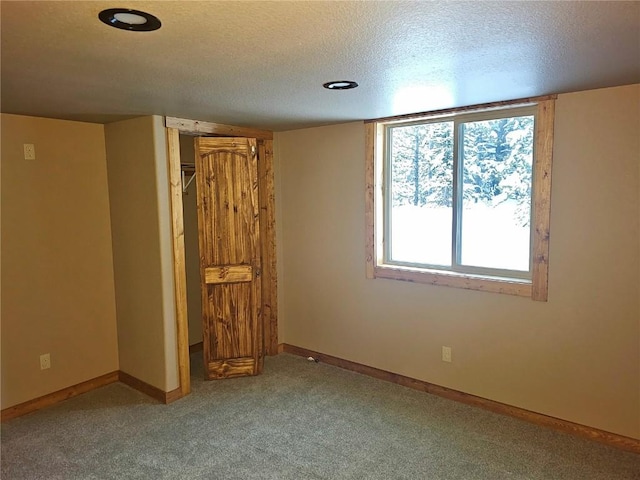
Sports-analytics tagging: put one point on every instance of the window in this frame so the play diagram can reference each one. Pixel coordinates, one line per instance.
(461, 198)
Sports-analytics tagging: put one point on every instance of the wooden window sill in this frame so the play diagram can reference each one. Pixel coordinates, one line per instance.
(482, 283)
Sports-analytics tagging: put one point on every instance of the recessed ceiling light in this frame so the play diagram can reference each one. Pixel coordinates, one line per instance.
(340, 85)
(128, 19)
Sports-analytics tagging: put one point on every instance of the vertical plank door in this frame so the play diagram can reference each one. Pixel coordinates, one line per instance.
(228, 234)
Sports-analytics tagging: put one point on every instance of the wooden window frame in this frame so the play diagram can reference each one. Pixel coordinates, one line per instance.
(537, 287)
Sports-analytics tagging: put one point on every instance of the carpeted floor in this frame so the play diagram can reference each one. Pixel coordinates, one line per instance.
(298, 420)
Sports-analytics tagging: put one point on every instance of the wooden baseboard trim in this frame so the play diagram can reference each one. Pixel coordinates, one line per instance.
(281, 347)
(59, 396)
(602, 436)
(173, 395)
(150, 390)
(84, 387)
(196, 347)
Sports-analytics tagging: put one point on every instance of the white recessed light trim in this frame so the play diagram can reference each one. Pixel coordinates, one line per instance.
(340, 85)
(128, 19)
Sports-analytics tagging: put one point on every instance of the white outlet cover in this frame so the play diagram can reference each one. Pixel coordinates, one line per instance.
(29, 151)
(45, 361)
(446, 354)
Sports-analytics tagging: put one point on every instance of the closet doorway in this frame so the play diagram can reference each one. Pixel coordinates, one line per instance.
(187, 250)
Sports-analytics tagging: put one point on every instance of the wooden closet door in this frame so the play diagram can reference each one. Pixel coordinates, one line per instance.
(228, 232)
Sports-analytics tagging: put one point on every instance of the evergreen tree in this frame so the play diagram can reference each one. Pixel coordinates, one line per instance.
(496, 161)
(422, 164)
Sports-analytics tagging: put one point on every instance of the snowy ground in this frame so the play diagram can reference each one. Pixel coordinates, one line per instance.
(491, 237)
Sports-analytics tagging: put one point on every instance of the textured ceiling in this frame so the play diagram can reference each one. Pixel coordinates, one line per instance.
(263, 63)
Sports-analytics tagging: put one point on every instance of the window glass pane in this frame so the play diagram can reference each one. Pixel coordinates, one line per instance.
(420, 211)
(496, 158)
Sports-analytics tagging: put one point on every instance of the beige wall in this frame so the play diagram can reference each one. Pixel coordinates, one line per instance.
(192, 251)
(143, 259)
(576, 357)
(57, 270)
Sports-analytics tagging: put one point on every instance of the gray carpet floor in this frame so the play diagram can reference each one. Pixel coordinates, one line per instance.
(298, 420)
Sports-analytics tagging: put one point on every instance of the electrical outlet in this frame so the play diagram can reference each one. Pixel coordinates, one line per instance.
(29, 151)
(446, 354)
(45, 361)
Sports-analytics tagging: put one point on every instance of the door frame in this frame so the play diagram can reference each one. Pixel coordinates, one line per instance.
(266, 199)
